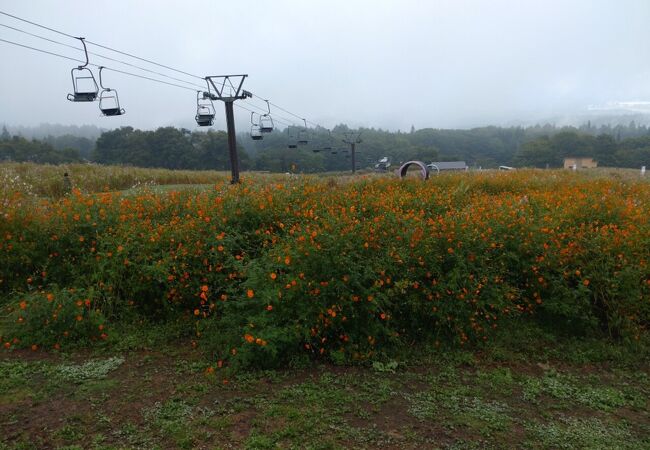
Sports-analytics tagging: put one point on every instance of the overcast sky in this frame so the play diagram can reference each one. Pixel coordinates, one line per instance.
(374, 63)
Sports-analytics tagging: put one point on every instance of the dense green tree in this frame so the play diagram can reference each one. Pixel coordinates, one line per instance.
(5, 136)
(21, 150)
(539, 153)
(487, 147)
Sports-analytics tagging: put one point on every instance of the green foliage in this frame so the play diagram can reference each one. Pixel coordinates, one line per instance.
(166, 147)
(20, 149)
(52, 319)
(486, 147)
(275, 272)
(548, 151)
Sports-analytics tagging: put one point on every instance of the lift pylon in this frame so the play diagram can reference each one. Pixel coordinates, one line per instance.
(352, 138)
(228, 89)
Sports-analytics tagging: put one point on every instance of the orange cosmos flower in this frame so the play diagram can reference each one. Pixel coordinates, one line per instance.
(250, 293)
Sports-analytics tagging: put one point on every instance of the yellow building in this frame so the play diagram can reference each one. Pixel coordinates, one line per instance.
(581, 162)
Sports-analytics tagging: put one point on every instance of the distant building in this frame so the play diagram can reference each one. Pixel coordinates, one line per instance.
(442, 166)
(580, 163)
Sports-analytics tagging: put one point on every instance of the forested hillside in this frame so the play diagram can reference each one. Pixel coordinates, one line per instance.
(486, 147)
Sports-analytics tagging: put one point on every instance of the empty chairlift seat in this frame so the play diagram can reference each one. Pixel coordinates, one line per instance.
(303, 135)
(109, 102)
(204, 110)
(256, 130)
(266, 122)
(84, 86)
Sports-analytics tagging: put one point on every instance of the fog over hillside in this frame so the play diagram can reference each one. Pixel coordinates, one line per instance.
(382, 63)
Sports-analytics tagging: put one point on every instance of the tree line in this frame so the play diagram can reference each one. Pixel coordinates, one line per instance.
(486, 147)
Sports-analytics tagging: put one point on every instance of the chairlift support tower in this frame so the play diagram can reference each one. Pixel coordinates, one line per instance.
(352, 139)
(228, 89)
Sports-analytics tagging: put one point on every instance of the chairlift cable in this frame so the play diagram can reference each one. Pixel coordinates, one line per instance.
(250, 110)
(283, 120)
(145, 60)
(38, 25)
(42, 51)
(99, 55)
(102, 46)
(273, 115)
(122, 62)
(287, 111)
(115, 70)
(96, 65)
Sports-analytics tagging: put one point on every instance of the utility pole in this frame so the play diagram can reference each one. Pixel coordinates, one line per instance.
(227, 88)
(352, 139)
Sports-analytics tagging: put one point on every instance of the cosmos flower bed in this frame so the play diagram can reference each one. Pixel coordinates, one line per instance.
(267, 272)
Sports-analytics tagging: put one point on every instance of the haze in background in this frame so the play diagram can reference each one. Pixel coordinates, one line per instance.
(388, 64)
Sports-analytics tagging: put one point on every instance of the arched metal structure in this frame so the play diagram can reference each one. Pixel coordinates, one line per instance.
(424, 170)
(433, 166)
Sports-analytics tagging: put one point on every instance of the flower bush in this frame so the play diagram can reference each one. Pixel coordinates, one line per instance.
(276, 270)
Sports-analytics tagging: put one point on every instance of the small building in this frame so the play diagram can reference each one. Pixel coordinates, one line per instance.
(444, 166)
(581, 162)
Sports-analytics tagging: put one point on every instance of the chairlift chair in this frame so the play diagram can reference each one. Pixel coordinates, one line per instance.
(84, 86)
(292, 139)
(256, 131)
(328, 146)
(204, 109)
(266, 122)
(109, 103)
(303, 135)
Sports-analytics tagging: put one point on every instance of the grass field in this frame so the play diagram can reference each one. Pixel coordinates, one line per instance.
(158, 309)
(529, 391)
